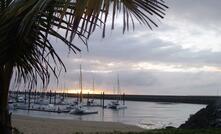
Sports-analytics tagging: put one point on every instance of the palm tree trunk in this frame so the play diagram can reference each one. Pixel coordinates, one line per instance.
(5, 118)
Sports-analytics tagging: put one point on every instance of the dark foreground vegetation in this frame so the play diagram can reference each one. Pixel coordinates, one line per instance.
(170, 131)
(162, 131)
(179, 131)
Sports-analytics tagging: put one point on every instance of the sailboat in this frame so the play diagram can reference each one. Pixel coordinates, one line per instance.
(91, 101)
(80, 109)
(116, 103)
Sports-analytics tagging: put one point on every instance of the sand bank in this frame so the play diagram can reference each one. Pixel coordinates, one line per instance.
(34, 125)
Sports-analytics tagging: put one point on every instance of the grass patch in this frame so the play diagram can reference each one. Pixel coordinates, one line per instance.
(183, 131)
(168, 131)
(16, 131)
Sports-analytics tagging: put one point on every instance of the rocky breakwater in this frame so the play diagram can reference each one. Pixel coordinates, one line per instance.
(209, 117)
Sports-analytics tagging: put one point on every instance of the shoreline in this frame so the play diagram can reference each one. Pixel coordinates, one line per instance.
(38, 125)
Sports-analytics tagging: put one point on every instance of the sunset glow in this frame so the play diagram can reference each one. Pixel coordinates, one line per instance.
(84, 91)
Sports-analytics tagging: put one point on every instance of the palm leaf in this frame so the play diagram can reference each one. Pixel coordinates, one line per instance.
(26, 25)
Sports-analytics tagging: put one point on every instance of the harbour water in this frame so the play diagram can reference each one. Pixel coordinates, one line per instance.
(143, 114)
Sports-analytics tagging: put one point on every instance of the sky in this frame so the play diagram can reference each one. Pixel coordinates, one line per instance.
(181, 57)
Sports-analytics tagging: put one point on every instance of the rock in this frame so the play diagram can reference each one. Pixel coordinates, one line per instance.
(209, 117)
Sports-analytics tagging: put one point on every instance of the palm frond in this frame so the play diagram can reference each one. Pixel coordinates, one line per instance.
(26, 25)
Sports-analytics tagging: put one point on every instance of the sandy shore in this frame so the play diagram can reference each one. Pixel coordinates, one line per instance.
(33, 125)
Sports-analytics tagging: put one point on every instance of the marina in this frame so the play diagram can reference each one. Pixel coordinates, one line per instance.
(148, 115)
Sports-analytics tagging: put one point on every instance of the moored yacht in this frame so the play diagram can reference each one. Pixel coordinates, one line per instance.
(79, 108)
(115, 104)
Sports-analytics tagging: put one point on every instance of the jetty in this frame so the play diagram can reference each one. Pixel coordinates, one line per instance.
(157, 98)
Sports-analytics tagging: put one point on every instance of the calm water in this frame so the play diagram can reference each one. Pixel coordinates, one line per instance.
(143, 114)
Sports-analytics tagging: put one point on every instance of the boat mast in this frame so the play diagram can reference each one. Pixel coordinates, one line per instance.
(81, 87)
(92, 97)
(118, 86)
(93, 85)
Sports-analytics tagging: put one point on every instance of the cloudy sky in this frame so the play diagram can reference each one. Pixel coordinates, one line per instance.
(182, 56)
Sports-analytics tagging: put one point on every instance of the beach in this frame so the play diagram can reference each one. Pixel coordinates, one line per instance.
(35, 125)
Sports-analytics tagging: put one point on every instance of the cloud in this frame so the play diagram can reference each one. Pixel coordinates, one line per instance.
(180, 57)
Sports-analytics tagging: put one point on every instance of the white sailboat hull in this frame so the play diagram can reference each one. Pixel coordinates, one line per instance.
(80, 110)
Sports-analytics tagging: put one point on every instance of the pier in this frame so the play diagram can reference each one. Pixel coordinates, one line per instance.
(158, 98)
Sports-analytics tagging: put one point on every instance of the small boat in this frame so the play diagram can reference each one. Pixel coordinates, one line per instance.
(51, 107)
(20, 106)
(11, 101)
(63, 109)
(91, 102)
(80, 110)
(116, 105)
(21, 99)
(42, 101)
